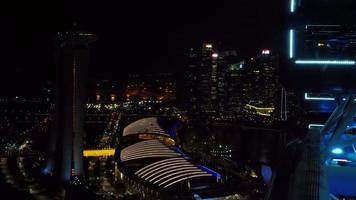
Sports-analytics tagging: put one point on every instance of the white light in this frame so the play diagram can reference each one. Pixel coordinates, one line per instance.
(341, 160)
(148, 167)
(292, 6)
(306, 97)
(337, 151)
(178, 173)
(215, 55)
(315, 125)
(325, 62)
(209, 46)
(266, 52)
(164, 166)
(169, 173)
(183, 175)
(291, 43)
(155, 173)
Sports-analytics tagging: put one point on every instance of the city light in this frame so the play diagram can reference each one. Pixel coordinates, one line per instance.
(307, 97)
(215, 55)
(291, 43)
(209, 46)
(337, 151)
(325, 62)
(266, 52)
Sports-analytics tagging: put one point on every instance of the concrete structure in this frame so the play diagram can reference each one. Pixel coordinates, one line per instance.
(66, 140)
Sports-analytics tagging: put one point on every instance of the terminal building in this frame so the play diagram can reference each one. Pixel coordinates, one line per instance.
(150, 160)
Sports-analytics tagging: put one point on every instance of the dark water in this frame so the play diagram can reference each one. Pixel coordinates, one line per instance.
(251, 146)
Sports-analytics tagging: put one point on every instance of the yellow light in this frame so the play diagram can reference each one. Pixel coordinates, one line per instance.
(112, 97)
(259, 108)
(98, 153)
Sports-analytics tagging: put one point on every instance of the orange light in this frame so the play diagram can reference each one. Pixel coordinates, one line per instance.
(112, 97)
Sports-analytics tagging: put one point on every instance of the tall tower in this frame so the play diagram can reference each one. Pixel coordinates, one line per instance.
(72, 58)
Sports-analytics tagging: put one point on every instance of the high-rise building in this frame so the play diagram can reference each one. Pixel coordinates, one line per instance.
(262, 87)
(206, 86)
(234, 99)
(66, 142)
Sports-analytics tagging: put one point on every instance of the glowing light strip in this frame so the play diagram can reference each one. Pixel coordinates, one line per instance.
(210, 171)
(292, 6)
(98, 153)
(137, 151)
(170, 173)
(177, 173)
(176, 164)
(138, 172)
(182, 175)
(145, 144)
(168, 168)
(306, 97)
(315, 125)
(150, 156)
(145, 149)
(185, 178)
(325, 62)
(260, 108)
(341, 160)
(291, 43)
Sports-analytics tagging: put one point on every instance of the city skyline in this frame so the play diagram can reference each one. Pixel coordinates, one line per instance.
(158, 33)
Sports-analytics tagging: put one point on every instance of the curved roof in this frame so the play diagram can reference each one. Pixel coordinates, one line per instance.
(145, 125)
(167, 172)
(146, 149)
(172, 168)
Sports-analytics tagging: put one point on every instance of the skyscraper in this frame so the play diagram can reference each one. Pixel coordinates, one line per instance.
(262, 87)
(66, 142)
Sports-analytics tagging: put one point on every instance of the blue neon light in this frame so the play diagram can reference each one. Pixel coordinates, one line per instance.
(292, 4)
(325, 62)
(291, 43)
(181, 152)
(306, 97)
(337, 151)
(315, 125)
(210, 171)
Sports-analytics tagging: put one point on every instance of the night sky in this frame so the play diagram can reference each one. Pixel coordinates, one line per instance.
(134, 36)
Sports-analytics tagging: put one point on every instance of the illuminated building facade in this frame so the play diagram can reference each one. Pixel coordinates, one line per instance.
(206, 79)
(66, 140)
(262, 88)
